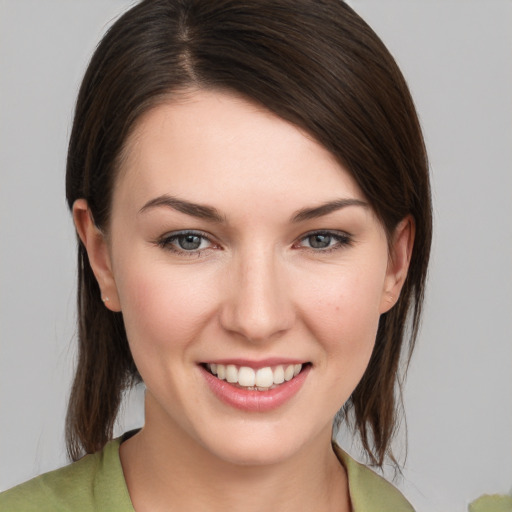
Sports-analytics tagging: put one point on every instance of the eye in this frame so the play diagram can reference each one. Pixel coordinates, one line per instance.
(319, 241)
(325, 240)
(192, 242)
(189, 242)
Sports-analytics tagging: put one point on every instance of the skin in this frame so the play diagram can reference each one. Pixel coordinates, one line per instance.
(256, 289)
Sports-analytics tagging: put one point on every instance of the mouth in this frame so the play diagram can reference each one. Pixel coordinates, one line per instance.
(256, 387)
(251, 379)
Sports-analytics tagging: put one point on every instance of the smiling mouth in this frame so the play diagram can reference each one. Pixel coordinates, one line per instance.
(262, 379)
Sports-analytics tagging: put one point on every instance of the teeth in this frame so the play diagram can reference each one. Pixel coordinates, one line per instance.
(288, 372)
(231, 373)
(264, 377)
(246, 376)
(261, 379)
(279, 375)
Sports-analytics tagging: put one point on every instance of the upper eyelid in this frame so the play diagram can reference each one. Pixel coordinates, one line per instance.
(332, 232)
(184, 232)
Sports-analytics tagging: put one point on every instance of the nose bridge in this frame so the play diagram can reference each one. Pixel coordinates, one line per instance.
(258, 305)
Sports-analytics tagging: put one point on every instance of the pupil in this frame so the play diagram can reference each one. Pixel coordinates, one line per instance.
(320, 241)
(189, 242)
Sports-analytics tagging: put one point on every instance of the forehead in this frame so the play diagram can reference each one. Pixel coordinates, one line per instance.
(212, 146)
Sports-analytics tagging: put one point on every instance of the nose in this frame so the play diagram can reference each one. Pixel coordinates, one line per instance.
(258, 305)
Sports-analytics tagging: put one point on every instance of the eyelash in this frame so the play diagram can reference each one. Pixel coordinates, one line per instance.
(167, 242)
(342, 240)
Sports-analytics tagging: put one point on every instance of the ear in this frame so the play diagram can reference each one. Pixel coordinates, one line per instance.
(97, 250)
(399, 258)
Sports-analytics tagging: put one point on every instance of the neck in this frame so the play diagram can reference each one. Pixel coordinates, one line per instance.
(171, 471)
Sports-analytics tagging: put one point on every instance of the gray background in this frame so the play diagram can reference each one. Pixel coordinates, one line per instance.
(457, 57)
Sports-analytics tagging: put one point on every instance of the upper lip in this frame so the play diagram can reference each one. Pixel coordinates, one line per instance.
(256, 364)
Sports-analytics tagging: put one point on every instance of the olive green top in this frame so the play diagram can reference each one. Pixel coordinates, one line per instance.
(96, 483)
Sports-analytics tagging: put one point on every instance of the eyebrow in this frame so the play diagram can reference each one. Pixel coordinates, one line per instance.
(195, 210)
(212, 214)
(326, 208)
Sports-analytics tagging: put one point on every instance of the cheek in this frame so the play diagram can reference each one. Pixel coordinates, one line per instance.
(344, 313)
(163, 308)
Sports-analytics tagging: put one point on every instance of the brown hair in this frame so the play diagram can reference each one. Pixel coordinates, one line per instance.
(314, 63)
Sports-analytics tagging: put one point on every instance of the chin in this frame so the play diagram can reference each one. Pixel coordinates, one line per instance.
(260, 445)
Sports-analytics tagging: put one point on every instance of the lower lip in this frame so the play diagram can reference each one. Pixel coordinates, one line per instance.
(255, 401)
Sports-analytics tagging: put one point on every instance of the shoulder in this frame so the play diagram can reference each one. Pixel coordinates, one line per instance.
(67, 488)
(95, 482)
(369, 492)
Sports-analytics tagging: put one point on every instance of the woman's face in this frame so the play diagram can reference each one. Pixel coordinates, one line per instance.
(239, 246)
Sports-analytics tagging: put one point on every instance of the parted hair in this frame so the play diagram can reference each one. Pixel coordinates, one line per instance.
(314, 63)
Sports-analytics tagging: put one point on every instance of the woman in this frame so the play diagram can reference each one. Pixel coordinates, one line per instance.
(250, 190)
